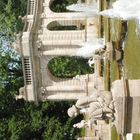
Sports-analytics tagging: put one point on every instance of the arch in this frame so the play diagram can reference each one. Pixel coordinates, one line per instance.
(60, 5)
(51, 76)
(66, 25)
(68, 67)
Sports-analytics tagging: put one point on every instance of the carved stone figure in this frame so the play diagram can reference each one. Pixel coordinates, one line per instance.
(91, 62)
(84, 123)
(81, 77)
(97, 106)
(81, 124)
(21, 95)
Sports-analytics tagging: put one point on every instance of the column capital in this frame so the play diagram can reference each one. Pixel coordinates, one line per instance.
(39, 44)
(43, 93)
(43, 15)
(40, 31)
(39, 47)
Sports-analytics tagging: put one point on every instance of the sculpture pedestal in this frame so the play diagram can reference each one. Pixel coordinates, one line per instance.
(127, 105)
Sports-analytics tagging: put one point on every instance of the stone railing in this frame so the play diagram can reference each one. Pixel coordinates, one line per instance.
(31, 6)
(31, 10)
(29, 20)
(27, 71)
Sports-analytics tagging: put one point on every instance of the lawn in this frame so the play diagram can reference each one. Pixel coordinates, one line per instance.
(113, 30)
(132, 52)
(114, 134)
(107, 75)
(115, 38)
(112, 33)
(114, 71)
(136, 137)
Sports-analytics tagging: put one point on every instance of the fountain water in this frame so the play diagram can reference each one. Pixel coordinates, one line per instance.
(124, 9)
(88, 10)
(82, 7)
(88, 48)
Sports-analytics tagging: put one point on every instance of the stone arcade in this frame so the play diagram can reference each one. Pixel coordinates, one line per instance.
(38, 44)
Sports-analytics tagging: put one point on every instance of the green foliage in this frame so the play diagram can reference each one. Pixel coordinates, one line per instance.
(4, 135)
(17, 128)
(10, 70)
(114, 134)
(60, 6)
(136, 136)
(31, 122)
(53, 130)
(114, 71)
(10, 10)
(132, 52)
(68, 67)
(20, 120)
(63, 28)
(107, 75)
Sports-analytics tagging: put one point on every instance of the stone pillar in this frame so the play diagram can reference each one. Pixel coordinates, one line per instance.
(65, 95)
(59, 52)
(97, 67)
(65, 88)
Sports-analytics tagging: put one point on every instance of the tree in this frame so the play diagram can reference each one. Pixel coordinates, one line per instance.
(10, 23)
(11, 79)
(10, 69)
(23, 120)
(20, 120)
(31, 122)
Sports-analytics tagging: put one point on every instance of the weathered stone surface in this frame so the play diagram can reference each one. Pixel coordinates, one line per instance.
(127, 105)
(38, 44)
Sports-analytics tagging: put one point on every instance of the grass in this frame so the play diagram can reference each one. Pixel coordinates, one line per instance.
(115, 35)
(82, 132)
(112, 32)
(107, 75)
(132, 53)
(114, 134)
(106, 29)
(114, 71)
(115, 29)
(136, 137)
(103, 5)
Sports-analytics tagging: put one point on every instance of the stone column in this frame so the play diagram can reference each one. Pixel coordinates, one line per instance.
(97, 67)
(65, 95)
(59, 52)
(65, 88)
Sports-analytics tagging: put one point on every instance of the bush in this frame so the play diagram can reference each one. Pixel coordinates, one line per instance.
(68, 67)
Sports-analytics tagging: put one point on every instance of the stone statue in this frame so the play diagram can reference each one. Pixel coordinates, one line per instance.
(85, 123)
(21, 94)
(91, 62)
(98, 54)
(81, 77)
(98, 106)
(82, 124)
